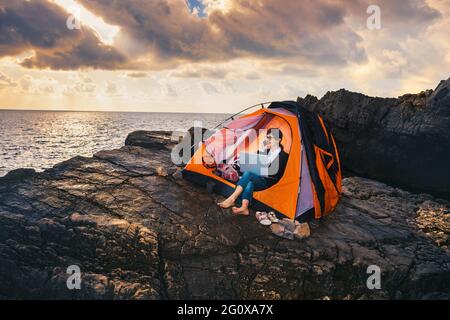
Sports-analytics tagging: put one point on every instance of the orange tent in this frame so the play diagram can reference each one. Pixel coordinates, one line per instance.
(311, 183)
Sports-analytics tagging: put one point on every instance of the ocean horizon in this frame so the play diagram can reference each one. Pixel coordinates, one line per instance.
(39, 139)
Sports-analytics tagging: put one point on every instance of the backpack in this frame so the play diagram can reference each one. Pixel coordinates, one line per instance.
(227, 171)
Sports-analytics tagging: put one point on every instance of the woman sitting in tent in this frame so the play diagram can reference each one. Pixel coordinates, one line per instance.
(250, 182)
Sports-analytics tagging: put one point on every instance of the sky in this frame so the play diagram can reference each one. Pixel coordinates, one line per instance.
(214, 55)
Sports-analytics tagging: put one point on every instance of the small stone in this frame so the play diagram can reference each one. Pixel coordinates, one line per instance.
(162, 172)
(302, 231)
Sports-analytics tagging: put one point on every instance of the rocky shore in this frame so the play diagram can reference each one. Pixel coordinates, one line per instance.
(403, 141)
(137, 230)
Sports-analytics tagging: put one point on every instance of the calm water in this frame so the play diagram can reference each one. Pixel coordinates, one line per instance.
(39, 140)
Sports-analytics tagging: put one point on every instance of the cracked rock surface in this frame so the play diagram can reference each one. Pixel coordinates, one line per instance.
(139, 231)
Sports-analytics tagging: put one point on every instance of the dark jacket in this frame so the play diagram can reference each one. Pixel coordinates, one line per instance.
(274, 174)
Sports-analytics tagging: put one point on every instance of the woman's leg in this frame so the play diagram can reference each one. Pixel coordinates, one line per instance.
(247, 196)
(241, 185)
(256, 183)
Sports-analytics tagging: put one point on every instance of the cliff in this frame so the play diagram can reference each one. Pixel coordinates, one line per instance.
(402, 141)
(139, 231)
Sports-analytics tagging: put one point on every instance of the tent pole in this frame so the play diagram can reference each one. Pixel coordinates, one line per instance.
(234, 115)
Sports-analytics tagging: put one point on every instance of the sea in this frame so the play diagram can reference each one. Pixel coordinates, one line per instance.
(41, 139)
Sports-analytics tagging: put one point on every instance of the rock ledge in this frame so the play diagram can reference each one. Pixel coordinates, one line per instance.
(138, 231)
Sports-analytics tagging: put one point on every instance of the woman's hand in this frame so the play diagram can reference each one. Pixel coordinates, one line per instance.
(262, 146)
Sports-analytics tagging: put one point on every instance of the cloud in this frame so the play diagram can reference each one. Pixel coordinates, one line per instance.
(209, 88)
(80, 84)
(312, 31)
(41, 26)
(88, 53)
(253, 76)
(401, 18)
(137, 75)
(37, 85)
(307, 33)
(171, 90)
(169, 54)
(26, 82)
(47, 88)
(112, 89)
(410, 52)
(6, 81)
(293, 70)
(202, 72)
(164, 29)
(167, 33)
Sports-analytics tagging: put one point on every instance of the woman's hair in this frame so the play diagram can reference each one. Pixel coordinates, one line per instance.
(276, 133)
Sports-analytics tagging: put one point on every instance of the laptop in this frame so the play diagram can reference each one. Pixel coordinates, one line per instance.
(255, 163)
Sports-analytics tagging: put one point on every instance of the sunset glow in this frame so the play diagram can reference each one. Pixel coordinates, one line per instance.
(105, 32)
(214, 55)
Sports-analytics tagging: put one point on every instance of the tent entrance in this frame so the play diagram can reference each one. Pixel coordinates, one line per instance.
(246, 134)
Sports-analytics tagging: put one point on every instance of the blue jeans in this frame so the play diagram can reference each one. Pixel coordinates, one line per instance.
(251, 182)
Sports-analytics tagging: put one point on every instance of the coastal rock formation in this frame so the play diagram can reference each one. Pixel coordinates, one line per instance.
(138, 231)
(403, 141)
(150, 139)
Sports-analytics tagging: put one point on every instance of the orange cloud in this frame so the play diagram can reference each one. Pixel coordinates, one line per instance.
(41, 26)
(165, 34)
(312, 31)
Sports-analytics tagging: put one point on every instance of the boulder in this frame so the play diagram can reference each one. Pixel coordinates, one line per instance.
(188, 142)
(136, 230)
(402, 141)
(149, 139)
(19, 174)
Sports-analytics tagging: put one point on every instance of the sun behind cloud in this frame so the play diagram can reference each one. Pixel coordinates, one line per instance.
(105, 32)
(213, 55)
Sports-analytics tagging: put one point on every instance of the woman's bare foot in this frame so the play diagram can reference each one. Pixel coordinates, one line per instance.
(242, 211)
(227, 203)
